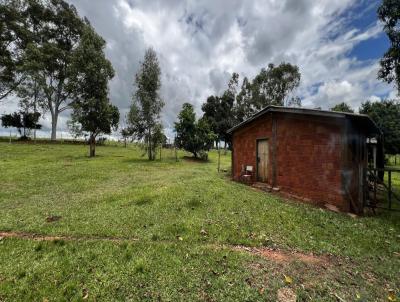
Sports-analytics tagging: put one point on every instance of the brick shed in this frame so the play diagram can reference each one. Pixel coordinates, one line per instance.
(318, 156)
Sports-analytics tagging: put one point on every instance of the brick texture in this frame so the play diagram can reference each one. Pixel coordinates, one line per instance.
(309, 155)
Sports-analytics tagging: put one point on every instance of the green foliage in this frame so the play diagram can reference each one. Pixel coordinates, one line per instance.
(125, 133)
(389, 15)
(11, 120)
(13, 41)
(272, 86)
(92, 109)
(146, 106)
(243, 108)
(218, 112)
(193, 136)
(386, 115)
(342, 107)
(24, 121)
(158, 137)
(47, 34)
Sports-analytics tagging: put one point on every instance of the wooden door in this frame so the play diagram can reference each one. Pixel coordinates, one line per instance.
(262, 160)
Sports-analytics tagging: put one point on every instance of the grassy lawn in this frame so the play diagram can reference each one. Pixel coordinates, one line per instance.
(169, 231)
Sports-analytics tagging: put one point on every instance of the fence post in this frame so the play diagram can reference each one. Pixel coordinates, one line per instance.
(390, 189)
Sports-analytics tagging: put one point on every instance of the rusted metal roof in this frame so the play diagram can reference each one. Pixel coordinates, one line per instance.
(363, 119)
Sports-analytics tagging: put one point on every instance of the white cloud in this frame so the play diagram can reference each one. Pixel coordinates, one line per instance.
(200, 43)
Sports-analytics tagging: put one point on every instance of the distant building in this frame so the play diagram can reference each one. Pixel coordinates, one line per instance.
(318, 156)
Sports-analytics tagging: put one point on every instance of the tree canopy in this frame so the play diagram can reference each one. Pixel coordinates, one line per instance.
(342, 107)
(193, 136)
(386, 114)
(24, 121)
(389, 15)
(219, 114)
(13, 43)
(272, 86)
(38, 44)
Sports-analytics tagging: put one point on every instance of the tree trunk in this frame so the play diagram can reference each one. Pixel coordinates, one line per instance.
(35, 109)
(219, 159)
(224, 147)
(92, 142)
(54, 118)
(149, 147)
(125, 142)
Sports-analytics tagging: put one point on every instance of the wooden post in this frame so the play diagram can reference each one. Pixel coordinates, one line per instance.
(390, 189)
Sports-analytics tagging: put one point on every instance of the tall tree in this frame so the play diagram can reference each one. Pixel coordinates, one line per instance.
(146, 107)
(193, 136)
(211, 109)
(386, 114)
(342, 107)
(273, 85)
(92, 109)
(219, 111)
(34, 23)
(389, 14)
(51, 60)
(243, 107)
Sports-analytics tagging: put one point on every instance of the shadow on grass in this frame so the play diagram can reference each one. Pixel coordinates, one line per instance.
(195, 160)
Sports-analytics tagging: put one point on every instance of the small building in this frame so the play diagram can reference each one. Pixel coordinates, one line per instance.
(317, 156)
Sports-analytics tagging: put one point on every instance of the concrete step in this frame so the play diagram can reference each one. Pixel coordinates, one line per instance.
(262, 186)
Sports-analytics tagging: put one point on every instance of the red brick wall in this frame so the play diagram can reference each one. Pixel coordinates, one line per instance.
(244, 145)
(309, 154)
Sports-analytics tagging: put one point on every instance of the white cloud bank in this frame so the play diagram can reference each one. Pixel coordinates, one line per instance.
(200, 43)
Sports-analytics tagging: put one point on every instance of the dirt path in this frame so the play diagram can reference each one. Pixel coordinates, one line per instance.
(39, 237)
(275, 255)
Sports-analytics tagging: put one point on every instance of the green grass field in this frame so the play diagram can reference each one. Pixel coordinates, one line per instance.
(135, 230)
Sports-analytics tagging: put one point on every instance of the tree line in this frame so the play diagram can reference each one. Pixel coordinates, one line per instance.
(272, 86)
(52, 60)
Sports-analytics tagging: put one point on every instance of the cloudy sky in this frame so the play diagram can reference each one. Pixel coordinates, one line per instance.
(337, 45)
